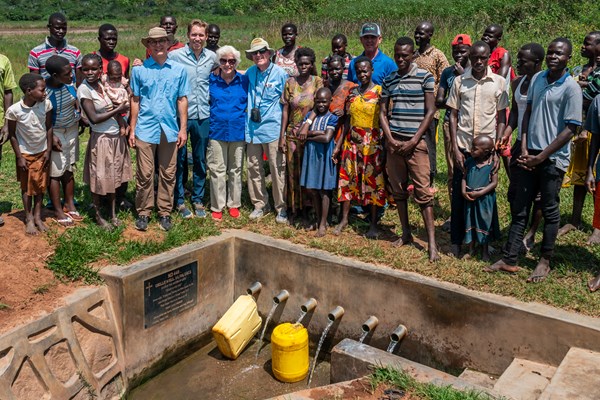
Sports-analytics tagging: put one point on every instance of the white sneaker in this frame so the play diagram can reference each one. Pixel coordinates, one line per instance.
(282, 217)
(257, 213)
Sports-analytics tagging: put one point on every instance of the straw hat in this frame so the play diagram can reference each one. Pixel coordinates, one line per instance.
(157, 33)
(256, 45)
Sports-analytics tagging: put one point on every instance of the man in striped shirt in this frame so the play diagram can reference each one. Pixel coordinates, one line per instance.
(55, 44)
(410, 90)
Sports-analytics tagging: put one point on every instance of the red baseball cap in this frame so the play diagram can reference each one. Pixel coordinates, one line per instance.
(462, 38)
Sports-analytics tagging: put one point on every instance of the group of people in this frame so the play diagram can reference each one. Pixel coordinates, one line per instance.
(364, 128)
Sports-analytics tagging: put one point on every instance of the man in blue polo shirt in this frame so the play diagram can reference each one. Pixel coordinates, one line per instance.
(410, 93)
(554, 111)
(160, 89)
(198, 62)
(370, 37)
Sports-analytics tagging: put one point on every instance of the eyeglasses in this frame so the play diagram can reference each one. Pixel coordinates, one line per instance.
(230, 61)
(152, 42)
(261, 51)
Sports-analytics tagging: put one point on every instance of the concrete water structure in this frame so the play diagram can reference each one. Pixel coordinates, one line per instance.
(155, 312)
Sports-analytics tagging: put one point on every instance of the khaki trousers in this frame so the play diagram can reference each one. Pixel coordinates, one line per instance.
(225, 160)
(256, 175)
(167, 166)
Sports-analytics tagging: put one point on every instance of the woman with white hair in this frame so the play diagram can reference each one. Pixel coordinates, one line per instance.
(228, 101)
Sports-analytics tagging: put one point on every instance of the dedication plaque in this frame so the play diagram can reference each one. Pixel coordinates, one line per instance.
(169, 294)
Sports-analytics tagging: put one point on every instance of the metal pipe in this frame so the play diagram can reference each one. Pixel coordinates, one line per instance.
(254, 289)
(309, 306)
(399, 333)
(335, 314)
(370, 324)
(281, 297)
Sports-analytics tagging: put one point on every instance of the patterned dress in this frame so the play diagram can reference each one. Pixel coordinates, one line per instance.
(300, 99)
(361, 170)
(338, 102)
(287, 63)
(481, 215)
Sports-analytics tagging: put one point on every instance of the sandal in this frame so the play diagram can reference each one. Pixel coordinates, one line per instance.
(74, 215)
(65, 222)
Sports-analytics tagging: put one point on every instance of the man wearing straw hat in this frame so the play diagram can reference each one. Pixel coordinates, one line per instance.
(160, 89)
(266, 84)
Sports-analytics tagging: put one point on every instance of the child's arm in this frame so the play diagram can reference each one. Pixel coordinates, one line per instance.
(463, 189)
(304, 130)
(49, 137)
(488, 189)
(323, 136)
(12, 131)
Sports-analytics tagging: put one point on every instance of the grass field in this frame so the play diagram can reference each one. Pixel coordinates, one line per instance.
(85, 246)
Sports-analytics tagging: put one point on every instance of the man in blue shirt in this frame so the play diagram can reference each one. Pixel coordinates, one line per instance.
(160, 89)
(263, 125)
(370, 37)
(198, 62)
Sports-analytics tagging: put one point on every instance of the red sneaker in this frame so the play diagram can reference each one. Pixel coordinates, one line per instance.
(217, 216)
(234, 212)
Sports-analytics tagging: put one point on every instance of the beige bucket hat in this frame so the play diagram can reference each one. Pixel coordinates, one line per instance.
(256, 45)
(157, 33)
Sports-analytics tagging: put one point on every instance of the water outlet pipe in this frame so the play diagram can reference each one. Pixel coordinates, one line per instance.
(309, 306)
(370, 324)
(254, 289)
(399, 333)
(335, 314)
(281, 297)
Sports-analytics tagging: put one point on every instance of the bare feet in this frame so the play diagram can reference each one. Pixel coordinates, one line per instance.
(116, 222)
(541, 271)
(30, 228)
(455, 250)
(322, 231)
(433, 254)
(340, 227)
(501, 266)
(566, 229)
(594, 284)
(594, 237)
(403, 241)
(40, 225)
(373, 232)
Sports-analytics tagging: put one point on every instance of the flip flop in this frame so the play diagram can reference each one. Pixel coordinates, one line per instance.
(75, 216)
(65, 222)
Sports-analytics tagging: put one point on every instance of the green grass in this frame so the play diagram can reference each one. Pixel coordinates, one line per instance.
(423, 391)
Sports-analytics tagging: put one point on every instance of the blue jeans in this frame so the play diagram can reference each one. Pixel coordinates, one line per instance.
(198, 137)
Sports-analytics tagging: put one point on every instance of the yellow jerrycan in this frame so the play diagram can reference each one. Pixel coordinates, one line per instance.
(237, 327)
(289, 352)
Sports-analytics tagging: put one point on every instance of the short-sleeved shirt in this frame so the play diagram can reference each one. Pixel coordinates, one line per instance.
(31, 125)
(382, 67)
(120, 58)
(7, 82)
(325, 66)
(446, 82)
(477, 102)
(323, 122)
(593, 88)
(407, 93)
(158, 87)
(264, 92)
(228, 103)
(40, 54)
(553, 106)
(64, 111)
(198, 70)
(592, 124)
(495, 62)
(102, 103)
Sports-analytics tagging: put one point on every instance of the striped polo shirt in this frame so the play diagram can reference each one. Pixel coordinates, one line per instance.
(40, 54)
(64, 113)
(407, 93)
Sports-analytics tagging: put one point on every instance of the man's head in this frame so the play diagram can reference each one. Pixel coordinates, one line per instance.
(461, 47)
(107, 36)
(492, 35)
(213, 34)
(338, 44)
(260, 53)
(403, 53)
(196, 33)
(479, 56)
(558, 54)
(169, 24)
(370, 37)
(57, 26)
(530, 58)
(158, 42)
(59, 69)
(423, 33)
(322, 100)
(589, 42)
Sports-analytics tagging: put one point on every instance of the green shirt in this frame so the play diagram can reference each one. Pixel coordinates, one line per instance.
(7, 82)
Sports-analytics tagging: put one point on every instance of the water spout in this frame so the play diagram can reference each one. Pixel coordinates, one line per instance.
(396, 336)
(254, 289)
(333, 315)
(368, 326)
(281, 297)
(307, 307)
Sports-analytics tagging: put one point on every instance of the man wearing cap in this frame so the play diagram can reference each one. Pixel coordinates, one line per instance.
(370, 37)
(198, 62)
(160, 89)
(266, 84)
(431, 59)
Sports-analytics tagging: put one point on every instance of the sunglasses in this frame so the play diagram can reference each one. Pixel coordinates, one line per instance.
(261, 51)
(157, 41)
(230, 61)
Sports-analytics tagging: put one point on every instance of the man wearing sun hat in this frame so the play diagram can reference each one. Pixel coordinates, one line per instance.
(263, 125)
(160, 89)
(370, 37)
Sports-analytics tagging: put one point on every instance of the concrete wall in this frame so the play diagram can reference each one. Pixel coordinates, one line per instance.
(449, 327)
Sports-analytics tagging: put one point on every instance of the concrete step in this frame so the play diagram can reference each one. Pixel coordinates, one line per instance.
(478, 378)
(576, 377)
(524, 379)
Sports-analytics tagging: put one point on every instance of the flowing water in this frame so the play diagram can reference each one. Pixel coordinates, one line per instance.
(363, 336)
(302, 315)
(323, 335)
(262, 334)
(392, 346)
